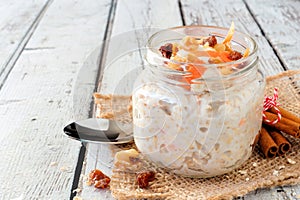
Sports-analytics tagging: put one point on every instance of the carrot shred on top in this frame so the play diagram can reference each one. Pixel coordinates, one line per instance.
(196, 72)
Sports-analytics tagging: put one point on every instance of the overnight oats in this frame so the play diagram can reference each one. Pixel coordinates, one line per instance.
(197, 105)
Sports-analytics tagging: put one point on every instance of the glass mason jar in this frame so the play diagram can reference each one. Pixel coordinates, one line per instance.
(205, 127)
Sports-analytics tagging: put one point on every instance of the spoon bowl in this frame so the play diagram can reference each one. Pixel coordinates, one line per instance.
(98, 130)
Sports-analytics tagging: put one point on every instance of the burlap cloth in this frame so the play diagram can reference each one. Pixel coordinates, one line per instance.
(257, 172)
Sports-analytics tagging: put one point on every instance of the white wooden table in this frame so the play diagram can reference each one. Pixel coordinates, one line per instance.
(44, 45)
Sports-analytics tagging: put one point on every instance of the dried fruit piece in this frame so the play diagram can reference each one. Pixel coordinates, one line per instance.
(96, 175)
(211, 40)
(143, 178)
(235, 55)
(102, 183)
(99, 179)
(166, 50)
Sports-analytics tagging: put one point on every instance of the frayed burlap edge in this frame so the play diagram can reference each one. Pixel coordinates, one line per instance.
(257, 172)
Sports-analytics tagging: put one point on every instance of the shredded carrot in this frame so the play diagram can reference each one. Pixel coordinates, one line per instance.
(196, 72)
(229, 34)
(223, 55)
(213, 53)
(246, 53)
(201, 53)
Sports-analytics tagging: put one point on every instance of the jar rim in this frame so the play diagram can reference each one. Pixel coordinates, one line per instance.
(154, 51)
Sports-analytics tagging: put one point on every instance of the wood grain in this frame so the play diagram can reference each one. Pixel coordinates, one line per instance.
(119, 61)
(17, 23)
(266, 14)
(134, 22)
(209, 13)
(37, 160)
(281, 26)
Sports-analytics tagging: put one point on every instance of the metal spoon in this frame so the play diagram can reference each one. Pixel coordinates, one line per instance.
(97, 130)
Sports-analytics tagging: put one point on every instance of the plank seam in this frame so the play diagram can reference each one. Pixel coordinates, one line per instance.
(21, 46)
(78, 169)
(265, 36)
(105, 44)
(181, 12)
(82, 152)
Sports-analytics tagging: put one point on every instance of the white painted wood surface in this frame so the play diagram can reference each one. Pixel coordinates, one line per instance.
(281, 25)
(17, 22)
(37, 160)
(271, 16)
(133, 23)
(194, 13)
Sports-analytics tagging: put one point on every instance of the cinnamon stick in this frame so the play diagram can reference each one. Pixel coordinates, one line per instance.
(256, 139)
(286, 114)
(285, 125)
(282, 143)
(267, 144)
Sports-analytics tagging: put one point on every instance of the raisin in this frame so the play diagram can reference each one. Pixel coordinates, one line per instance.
(102, 183)
(96, 175)
(99, 179)
(235, 55)
(166, 50)
(212, 41)
(143, 178)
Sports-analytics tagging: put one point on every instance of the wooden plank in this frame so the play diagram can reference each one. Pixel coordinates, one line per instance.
(133, 24)
(37, 160)
(207, 13)
(210, 13)
(281, 26)
(17, 23)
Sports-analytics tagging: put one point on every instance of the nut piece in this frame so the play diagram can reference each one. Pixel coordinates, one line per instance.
(126, 155)
(143, 178)
(242, 172)
(291, 161)
(275, 173)
(281, 167)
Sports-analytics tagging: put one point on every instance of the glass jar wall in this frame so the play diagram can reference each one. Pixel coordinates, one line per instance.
(198, 126)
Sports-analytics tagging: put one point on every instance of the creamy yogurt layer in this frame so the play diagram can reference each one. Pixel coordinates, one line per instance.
(196, 134)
